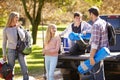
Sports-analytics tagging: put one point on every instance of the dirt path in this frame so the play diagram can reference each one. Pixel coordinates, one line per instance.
(57, 75)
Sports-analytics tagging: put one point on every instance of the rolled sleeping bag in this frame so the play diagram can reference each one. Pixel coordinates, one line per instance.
(77, 36)
(85, 66)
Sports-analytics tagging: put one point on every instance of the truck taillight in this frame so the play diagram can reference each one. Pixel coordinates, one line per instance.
(113, 16)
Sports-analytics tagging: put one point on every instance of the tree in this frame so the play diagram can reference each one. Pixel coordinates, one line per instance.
(60, 11)
(33, 11)
(110, 7)
(94, 2)
(35, 18)
(6, 6)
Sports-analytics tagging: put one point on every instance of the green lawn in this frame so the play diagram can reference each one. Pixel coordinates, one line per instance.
(35, 62)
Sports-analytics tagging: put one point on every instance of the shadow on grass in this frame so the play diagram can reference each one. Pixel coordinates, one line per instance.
(44, 27)
(36, 60)
(36, 52)
(59, 29)
(0, 52)
(32, 70)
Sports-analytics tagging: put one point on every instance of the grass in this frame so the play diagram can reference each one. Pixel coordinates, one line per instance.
(43, 27)
(35, 62)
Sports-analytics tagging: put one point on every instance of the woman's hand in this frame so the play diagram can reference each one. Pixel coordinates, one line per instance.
(44, 51)
(18, 25)
(4, 58)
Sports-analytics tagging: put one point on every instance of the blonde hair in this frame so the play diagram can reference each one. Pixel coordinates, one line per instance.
(49, 34)
(11, 18)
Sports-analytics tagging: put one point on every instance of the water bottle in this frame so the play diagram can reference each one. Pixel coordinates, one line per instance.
(62, 48)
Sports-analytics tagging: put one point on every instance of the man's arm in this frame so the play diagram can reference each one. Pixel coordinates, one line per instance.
(68, 29)
(92, 54)
(95, 41)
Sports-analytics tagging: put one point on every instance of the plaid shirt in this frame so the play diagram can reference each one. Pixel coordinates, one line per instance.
(99, 37)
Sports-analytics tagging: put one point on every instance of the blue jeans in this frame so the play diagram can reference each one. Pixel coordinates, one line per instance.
(50, 65)
(12, 56)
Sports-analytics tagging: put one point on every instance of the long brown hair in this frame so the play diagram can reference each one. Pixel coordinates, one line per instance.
(49, 34)
(11, 18)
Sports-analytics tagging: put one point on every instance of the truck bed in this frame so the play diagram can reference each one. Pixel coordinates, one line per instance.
(112, 57)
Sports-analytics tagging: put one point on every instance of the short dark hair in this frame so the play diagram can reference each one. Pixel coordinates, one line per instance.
(94, 10)
(77, 14)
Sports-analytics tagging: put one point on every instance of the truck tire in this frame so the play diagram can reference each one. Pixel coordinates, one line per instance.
(69, 74)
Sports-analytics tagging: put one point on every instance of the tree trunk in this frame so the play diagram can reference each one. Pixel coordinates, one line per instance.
(34, 33)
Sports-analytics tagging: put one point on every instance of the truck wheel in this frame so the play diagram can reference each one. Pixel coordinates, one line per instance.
(65, 74)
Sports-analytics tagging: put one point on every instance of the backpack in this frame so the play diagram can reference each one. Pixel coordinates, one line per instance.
(6, 71)
(28, 42)
(111, 34)
(25, 45)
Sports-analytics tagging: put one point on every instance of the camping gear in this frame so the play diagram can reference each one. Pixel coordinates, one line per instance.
(81, 43)
(79, 36)
(85, 66)
(5, 70)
